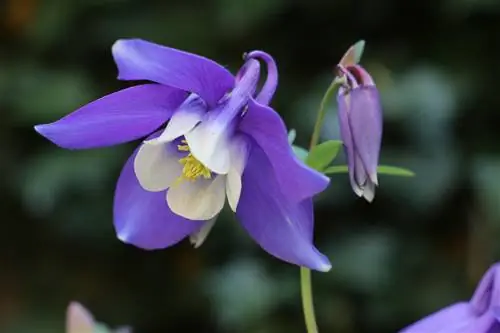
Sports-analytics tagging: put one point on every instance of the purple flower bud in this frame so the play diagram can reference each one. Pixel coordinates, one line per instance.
(479, 315)
(360, 118)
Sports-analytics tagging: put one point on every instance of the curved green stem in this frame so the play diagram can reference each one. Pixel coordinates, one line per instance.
(305, 273)
(307, 300)
(320, 118)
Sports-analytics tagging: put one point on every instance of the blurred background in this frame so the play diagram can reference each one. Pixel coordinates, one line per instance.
(422, 244)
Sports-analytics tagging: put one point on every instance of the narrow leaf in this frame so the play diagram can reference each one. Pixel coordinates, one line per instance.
(353, 54)
(359, 48)
(382, 170)
(323, 154)
(336, 169)
(394, 171)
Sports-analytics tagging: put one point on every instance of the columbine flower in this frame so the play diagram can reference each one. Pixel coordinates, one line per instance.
(221, 140)
(479, 315)
(360, 118)
(80, 320)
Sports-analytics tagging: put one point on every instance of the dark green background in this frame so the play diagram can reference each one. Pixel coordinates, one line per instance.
(422, 244)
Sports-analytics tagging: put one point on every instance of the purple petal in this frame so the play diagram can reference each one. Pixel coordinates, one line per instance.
(308, 221)
(267, 92)
(495, 327)
(295, 179)
(487, 323)
(484, 324)
(143, 218)
(359, 171)
(447, 320)
(481, 299)
(365, 119)
(141, 60)
(495, 310)
(209, 141)
(123, 116)
(345, 134)
(487, 294)
(281, 227)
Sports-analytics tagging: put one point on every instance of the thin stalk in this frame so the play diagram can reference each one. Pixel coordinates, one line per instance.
(320, 118)
(307, 300)
(305, 273)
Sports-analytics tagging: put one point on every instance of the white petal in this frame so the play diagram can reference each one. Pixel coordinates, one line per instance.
(357, 190)
(210, 145)
(197, 238)
(359, 171)
(233, 188)
(157, 166)
(182, 121)
(357, 176)
(374, 178)
(239, 154)
(202, 199)
(369, 191)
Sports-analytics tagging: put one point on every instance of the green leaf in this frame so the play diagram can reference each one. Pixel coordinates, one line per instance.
(323, 154)
(394, 171)
(336, 169)
(300, 152)
(292, 135)
(382, 169)
(353, 54)
(359, 48)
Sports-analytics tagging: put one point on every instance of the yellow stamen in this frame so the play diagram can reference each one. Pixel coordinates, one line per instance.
(192, 168)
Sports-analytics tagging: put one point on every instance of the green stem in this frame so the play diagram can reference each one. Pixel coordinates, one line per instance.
(320, 118)
(307, 300)
(305, 273)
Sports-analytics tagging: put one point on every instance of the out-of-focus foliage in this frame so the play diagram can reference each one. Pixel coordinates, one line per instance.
(422, 244)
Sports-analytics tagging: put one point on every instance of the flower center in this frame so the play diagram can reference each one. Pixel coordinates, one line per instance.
(192, 168)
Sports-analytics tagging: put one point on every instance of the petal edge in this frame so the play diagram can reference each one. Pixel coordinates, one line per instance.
(142, 60)
(282, 227)
(123, 116)
(142, 218)
(268, 130)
